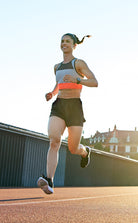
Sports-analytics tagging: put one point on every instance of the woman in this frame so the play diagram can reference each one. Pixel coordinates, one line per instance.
(67, 109)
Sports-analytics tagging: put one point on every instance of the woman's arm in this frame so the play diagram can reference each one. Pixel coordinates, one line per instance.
(55, 90)
(52, 93)
(83, 69)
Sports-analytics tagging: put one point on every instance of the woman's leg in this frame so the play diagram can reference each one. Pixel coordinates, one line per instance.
(56, 127)
(74, 137)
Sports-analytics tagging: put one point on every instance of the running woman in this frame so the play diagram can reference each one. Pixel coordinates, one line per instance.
(67, 111)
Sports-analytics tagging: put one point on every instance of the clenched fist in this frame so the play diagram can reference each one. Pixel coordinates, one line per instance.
(48, 96)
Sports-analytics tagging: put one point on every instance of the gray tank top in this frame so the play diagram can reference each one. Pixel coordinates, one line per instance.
(68, 68)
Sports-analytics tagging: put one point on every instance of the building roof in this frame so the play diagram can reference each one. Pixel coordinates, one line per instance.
(118, 136)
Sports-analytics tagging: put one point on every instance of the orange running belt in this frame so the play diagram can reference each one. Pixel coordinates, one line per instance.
(69, 86)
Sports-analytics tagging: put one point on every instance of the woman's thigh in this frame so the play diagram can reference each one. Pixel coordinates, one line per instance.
(56, 127)
(74, 137)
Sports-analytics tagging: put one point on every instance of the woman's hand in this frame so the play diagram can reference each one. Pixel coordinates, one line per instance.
(48, 96)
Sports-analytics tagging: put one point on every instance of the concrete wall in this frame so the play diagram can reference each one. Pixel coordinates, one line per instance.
(23, 158)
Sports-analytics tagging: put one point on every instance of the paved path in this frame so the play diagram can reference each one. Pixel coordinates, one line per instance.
(70, 205)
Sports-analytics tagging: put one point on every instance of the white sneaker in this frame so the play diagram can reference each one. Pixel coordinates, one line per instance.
(45, 184)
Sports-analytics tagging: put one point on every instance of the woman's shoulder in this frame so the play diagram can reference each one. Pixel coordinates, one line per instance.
(56, 66)
(80, 62)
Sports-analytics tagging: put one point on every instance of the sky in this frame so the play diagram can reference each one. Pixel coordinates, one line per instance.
(30, 35)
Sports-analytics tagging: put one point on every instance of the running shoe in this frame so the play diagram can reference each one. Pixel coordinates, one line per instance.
(86, 160)
(45, 184)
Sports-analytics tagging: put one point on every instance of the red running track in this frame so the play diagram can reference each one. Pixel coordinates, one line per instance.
(70, 205)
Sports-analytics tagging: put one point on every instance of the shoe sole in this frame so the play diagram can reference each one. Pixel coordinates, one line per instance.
(88, 162)
(88, 156)
(43, 184)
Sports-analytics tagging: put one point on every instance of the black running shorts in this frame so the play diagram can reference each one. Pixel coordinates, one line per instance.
(70, 110)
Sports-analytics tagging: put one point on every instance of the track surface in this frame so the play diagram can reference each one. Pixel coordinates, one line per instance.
(70, 205)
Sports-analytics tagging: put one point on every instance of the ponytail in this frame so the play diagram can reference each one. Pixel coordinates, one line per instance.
(81, 41)
(75, 38)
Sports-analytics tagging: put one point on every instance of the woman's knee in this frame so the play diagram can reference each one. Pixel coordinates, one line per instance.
(55, 143)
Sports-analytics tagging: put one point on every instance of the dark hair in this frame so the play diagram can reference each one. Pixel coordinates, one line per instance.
(75, 38)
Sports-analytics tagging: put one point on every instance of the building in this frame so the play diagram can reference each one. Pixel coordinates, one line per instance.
(120, 142)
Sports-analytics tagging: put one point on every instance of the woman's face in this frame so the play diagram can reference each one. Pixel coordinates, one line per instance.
(67, 44)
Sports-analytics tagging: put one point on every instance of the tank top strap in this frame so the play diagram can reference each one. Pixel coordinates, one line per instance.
(73, 62)
(58, 66)
(73, 65)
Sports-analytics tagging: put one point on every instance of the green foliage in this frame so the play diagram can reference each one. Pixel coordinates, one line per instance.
(99, 146)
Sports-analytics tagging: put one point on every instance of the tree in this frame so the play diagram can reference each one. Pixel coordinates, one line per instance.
(99, 146)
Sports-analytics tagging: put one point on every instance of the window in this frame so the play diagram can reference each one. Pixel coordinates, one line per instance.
(116, 148)
(113, 139)
(103, 138)
(111, 148)
(127, 149)
(95, 140)
(99, 139)
(91, 140)
(128, 138)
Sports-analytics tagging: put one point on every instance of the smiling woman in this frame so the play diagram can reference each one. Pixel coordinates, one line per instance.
(67, 109)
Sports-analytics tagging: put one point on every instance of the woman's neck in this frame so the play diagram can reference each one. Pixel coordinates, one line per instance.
(67, 58)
